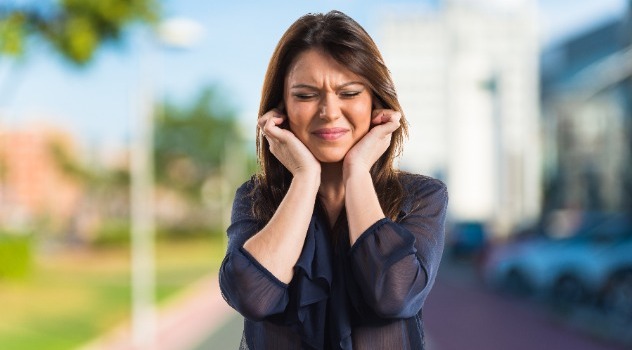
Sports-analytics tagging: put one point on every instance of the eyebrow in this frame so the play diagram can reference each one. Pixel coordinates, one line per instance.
(307, 86)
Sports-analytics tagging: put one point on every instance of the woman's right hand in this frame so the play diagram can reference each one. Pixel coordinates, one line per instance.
(278, 245)
(286, 147)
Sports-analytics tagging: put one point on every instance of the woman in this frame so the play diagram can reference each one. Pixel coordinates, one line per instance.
(330, 247)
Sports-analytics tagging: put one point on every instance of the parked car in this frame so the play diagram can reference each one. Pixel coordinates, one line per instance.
(593, 264)
(467, 239)
(615, 295)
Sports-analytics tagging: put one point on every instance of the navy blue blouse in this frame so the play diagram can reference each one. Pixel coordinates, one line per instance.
(368, 296)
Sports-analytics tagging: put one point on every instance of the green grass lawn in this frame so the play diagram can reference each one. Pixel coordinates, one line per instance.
(73, 296)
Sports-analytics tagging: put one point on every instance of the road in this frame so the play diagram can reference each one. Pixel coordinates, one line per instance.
(461, 314)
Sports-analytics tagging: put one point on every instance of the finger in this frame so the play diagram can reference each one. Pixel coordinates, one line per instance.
(275, 114)
(278, 120)
(395, 118)
(261, 122)
(380, 116)
(376, 112)
(271, 129)
(377, 117)
(387, 123)
(386, 115)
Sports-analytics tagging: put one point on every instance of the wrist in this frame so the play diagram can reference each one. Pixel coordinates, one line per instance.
(308, 177)
(351, 171)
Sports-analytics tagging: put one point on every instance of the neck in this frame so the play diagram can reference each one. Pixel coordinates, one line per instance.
(332, 190)
(331, 186)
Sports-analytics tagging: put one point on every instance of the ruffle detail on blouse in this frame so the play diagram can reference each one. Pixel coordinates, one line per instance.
(312, 283)
(316, 273)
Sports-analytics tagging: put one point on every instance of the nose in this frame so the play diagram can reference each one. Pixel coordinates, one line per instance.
(329, 107)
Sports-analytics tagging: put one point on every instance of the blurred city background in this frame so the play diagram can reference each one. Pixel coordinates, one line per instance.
(127, 125)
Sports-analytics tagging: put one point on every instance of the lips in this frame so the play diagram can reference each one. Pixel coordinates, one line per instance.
(330, 134)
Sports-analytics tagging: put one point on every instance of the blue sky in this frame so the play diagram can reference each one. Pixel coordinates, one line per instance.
(97, 102)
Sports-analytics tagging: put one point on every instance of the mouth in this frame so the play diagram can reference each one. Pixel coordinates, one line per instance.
(330, 134)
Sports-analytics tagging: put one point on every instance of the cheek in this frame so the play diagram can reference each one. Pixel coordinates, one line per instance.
(297, 120)
(362, 118)
(300, 114)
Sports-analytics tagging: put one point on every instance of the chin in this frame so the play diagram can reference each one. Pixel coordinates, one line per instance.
(332, 161)
(331, 157)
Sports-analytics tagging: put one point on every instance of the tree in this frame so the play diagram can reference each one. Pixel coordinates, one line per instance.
(190, 145)
(74, 28)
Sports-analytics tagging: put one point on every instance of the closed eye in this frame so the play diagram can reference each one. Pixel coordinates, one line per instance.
(350, 94)
(305, 97)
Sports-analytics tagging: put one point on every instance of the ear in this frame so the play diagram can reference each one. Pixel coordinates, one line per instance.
(281, 106)
(376, 103)
(286, 122)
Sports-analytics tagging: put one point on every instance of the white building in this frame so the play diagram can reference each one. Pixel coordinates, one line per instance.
(467, 78)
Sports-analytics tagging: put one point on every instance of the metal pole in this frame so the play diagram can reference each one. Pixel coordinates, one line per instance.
(180, 33)
(142, 226)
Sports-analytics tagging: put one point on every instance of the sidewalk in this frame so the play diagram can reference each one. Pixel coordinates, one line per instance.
(182, 324)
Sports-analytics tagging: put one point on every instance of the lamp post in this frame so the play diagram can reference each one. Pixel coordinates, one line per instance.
(179, 33)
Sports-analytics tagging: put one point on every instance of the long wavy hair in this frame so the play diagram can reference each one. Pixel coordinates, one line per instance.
(339, 36)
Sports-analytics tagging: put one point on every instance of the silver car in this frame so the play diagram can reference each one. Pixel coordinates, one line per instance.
(594, 264)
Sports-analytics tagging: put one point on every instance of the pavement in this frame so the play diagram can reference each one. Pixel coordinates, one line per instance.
(183, 323)
(226, 337)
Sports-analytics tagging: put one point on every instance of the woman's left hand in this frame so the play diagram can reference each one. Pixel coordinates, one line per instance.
(370, 148)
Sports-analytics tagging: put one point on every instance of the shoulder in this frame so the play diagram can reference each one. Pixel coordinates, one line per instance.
(244, 196)
(417, 184)
(422, 190)
(246, 189)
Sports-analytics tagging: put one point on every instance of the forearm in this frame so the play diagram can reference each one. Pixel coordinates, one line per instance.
(278, 245)
(396, 262)
(361, 202)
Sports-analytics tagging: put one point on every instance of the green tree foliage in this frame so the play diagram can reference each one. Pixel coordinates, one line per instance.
(190, 142)
(200, 157)
(74, 28)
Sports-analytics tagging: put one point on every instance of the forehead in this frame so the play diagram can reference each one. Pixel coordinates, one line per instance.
(314, 66)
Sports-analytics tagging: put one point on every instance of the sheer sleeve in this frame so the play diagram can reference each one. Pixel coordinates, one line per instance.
(395, 263)
(245, 284)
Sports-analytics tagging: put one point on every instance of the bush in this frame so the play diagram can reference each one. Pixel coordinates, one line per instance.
(16, 255)
(185, 232)
(118, 233)
(113, 234)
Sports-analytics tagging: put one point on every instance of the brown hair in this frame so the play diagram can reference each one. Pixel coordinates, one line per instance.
(339, 36)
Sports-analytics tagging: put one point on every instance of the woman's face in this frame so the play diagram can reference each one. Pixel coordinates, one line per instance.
(328, 107)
